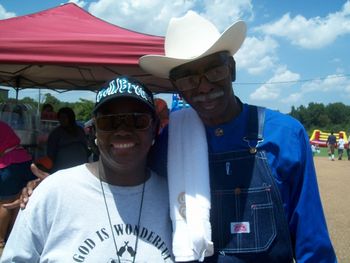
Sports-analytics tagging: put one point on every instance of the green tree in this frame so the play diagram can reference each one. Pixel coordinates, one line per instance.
(337, 112)
(48, 98)
(332, 117)
(323, 120)
(83, 109)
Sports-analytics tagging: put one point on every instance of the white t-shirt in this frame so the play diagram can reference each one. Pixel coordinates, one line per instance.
(66, 221)
(341, 143)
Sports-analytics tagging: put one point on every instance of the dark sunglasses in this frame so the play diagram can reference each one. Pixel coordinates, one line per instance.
(137, 121)
(212, 75)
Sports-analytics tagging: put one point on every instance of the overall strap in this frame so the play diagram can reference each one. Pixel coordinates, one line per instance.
(255, 127)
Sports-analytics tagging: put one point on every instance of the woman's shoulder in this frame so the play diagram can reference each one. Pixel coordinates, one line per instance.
(65, 177)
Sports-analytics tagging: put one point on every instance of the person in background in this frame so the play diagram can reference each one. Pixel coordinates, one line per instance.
(313, 149)
(48, 113)
(44, 164)
(15, 173)
(230, 158)
(17, 120)
(331, 144)
(341, 146)
(112, 210)
(91, 138)
(163, 112)
(67, 143)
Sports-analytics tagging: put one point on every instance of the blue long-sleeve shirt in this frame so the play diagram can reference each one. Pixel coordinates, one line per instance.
(290, 158)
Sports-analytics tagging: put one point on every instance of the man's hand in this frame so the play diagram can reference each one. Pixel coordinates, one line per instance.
(39, 173)
(28, 189)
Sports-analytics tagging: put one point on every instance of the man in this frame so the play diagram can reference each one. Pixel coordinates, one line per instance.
(331, 143)
(265, 203)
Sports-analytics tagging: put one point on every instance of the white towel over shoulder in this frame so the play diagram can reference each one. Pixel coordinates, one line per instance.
(189, 189)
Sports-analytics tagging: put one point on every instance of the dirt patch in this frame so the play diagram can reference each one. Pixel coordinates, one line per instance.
(334, 183)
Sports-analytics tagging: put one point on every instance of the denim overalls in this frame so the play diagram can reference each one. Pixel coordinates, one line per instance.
(247, 217)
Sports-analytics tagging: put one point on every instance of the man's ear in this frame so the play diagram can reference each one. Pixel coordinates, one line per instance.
(232, 66)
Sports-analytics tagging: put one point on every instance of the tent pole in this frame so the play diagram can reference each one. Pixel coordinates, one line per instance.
(39, 99)
(18, 80)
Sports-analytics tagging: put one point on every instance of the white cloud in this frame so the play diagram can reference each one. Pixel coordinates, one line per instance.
(332, 83)
(80, 3)
(265, 92)
(152, 16)
(147, 16)
(292, 98)
(338, 85)
(336, 60)
(4, 14)
(282, 79)
(347, 90)
(313, 33)
(224, 12)
(257, 55)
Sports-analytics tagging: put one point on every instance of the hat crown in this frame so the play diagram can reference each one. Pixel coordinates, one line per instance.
(189, 36)
(124, 87)
(120, 86)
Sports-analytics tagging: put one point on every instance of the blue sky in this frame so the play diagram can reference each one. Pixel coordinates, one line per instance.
(296, 52)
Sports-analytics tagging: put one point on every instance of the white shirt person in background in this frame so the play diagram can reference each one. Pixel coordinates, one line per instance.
(341, 146)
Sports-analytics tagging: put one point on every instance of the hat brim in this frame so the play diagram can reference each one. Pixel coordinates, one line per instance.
(230, 40)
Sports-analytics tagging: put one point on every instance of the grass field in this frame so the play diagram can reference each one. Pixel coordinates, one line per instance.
(324, 153)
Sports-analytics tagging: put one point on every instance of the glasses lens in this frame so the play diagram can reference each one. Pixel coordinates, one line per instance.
(217, 74)
(142, 121)
(138, 121)
(188, 82)
(193, 81)
(104, 123)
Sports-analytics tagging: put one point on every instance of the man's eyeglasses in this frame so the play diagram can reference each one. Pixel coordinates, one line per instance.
(192, 81)
(138, 121)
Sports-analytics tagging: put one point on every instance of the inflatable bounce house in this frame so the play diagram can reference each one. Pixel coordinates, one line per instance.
(320, 138)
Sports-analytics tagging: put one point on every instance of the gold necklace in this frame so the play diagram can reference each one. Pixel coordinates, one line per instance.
(110, 221)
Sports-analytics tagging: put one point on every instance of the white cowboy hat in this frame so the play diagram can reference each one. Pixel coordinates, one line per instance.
(189, 38)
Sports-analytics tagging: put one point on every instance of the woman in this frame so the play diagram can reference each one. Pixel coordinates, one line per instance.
(112, 210)
(47, 112)
(14, 174)
(67, 144)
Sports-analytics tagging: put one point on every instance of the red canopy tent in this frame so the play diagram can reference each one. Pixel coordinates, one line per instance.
(66, 48)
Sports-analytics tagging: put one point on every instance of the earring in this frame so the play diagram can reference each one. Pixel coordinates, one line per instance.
(153, 142)
(95, 141)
